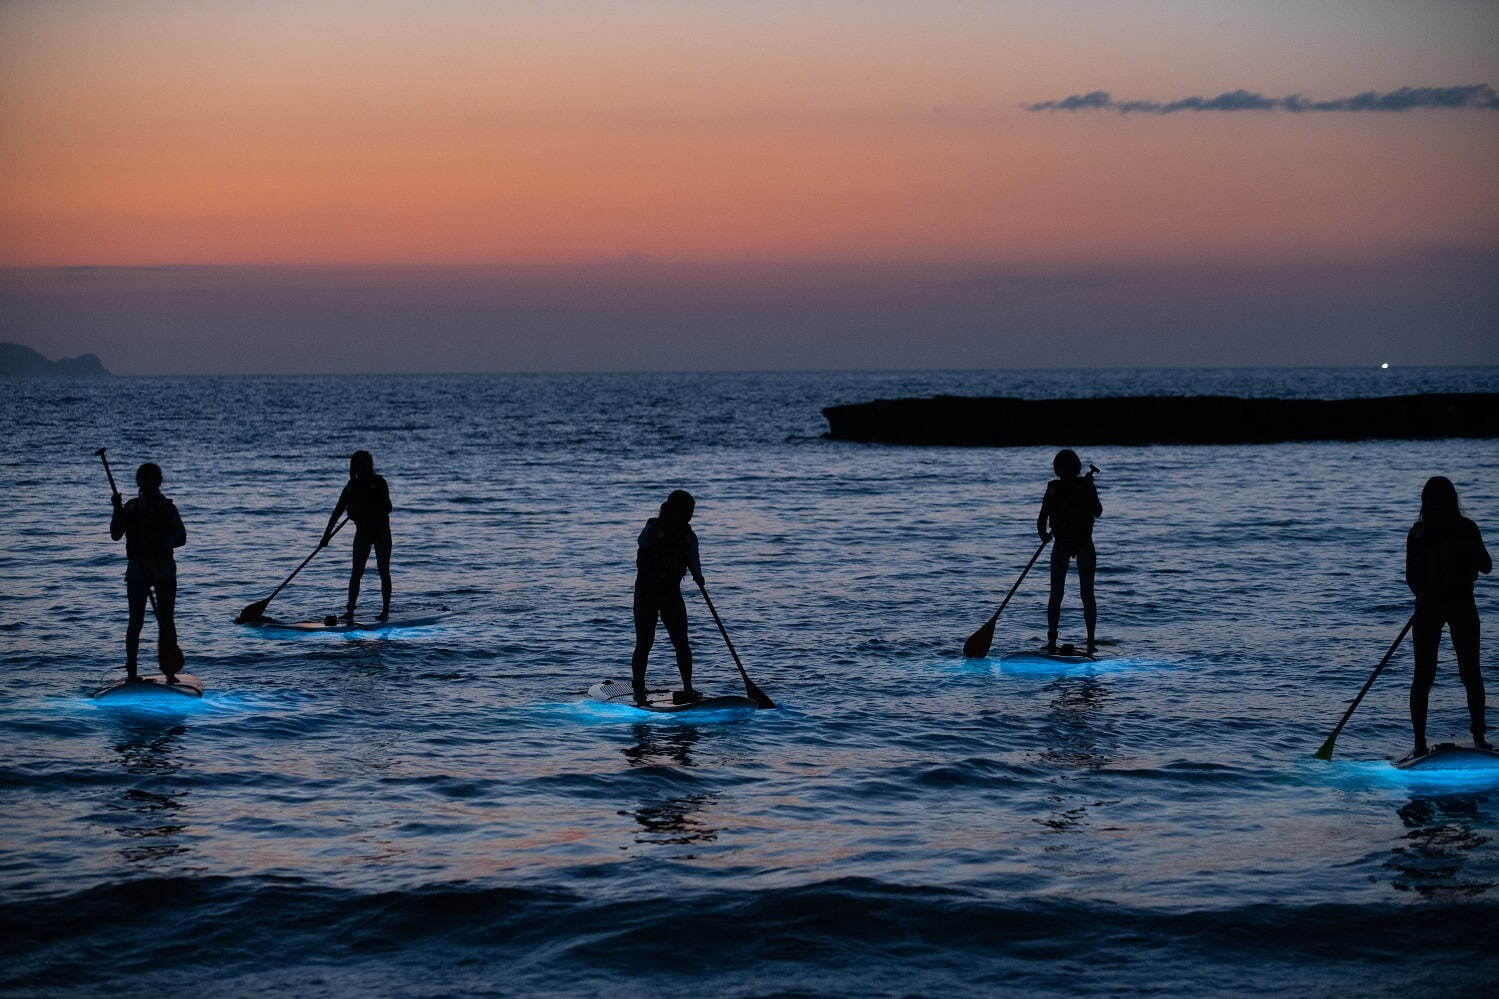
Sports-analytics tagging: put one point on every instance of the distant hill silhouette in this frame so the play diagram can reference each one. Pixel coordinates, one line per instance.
(19, 361)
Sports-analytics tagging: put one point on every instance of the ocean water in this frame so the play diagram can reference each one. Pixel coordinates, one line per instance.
(440, 811)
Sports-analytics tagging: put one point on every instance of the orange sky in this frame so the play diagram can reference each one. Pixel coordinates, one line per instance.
(146, 133)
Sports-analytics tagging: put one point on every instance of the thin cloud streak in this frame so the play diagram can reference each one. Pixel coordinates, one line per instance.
(1478, 95)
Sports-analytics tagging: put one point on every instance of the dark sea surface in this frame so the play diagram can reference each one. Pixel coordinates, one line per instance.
(441, 811)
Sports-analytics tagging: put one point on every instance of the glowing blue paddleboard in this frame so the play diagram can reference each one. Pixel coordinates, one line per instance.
(152, 687)
(612, 692)
(339, 624)
(1450, 756)
(1065, 655)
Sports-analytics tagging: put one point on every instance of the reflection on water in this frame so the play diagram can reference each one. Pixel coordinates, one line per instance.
(152, 818)
(1439, 841)
(1073, 729)
(672, 820)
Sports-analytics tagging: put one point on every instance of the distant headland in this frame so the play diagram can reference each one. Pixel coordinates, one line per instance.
(23, 362)
(1205, 419)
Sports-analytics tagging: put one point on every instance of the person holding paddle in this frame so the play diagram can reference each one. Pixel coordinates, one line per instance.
(367, 500)
(1067, 513)
(1444, 553)
(152, 529)
(666, 551)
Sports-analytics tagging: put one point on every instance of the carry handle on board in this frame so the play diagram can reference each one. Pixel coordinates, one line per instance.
(170, 656)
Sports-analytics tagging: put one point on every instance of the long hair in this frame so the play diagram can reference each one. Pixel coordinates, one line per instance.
(1439, 504)
(361, 463)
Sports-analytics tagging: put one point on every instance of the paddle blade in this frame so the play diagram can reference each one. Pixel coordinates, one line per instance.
(757, 695)
(169, 655)
(977, 646)
(252, 612)
(1325, 753)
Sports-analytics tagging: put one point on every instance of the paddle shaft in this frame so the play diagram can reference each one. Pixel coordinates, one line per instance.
(1325, 753)
(755, 693)
(1023, 573)
(262, 605)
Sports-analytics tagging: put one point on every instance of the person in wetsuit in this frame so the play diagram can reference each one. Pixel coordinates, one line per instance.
(667, 550)
(1067, 513)
(152, 528)
(367, 500)
(1444, 554)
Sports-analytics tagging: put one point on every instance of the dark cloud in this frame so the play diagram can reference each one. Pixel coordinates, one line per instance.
(1478, 95)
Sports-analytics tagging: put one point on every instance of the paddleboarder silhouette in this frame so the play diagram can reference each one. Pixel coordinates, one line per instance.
(152, 528)
(366, 498)
(1444, 553)
(1067, 513)
(666, 551)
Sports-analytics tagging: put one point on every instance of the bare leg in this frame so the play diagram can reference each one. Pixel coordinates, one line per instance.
(645, 637)
(361, 559)
(137, 591)
(674, 616)
(1462, 625)
(1087, 565)
(382, 562)
(166, 617)
(1426, 633)
(1060, 556)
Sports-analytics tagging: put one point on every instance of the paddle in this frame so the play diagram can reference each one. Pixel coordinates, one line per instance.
(1325, 753)
(977, 646)
(255, 611)
(169, 656)
(751, 691)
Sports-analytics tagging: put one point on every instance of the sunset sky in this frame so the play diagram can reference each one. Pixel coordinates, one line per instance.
(645, 185)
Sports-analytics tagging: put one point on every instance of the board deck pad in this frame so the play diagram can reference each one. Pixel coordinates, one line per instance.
(615, 692)
(408, 621)
(1064, 654)
(1450, 756)
(155, 688)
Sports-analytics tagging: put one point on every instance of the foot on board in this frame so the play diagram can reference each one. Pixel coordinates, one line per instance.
(347, 616)
(384, 615)
(642, 697)
(1415, 754)
(1479, 742)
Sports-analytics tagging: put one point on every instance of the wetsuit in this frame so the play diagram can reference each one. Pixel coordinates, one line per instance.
(664, 556)
(1067, 513)
(367, 501)
(152, 528)
(1441, 565)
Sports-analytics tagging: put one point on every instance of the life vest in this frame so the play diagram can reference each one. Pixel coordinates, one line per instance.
(663, 561)
(1070, 505)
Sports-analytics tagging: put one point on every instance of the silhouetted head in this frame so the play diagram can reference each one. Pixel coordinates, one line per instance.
(361, 465)
(1067, 464)
(678, 507)
(148, 476)
(1439, 505)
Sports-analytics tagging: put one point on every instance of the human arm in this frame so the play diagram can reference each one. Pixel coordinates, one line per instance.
(1415, 564)
(1043, 515)
(1481, 558)
(176, 532)
(1097, 503)
(694, 563)
(117, 520)
(338, 509)
(385, 493)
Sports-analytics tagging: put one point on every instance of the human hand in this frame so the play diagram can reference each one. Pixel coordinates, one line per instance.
(117, 501)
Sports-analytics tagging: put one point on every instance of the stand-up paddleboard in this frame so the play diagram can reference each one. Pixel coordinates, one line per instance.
(153, 687)
(338, 624)
(612, 692)
(1065, 655)
(1450, 756)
